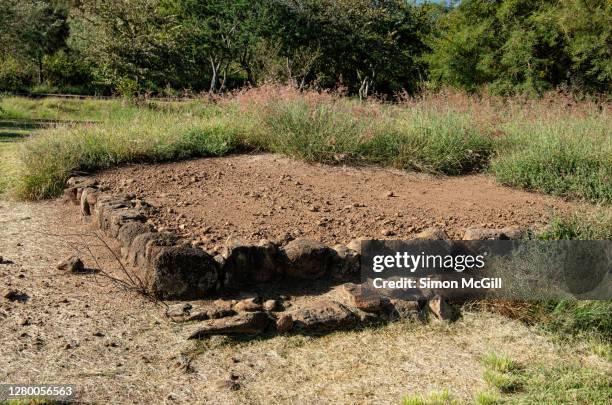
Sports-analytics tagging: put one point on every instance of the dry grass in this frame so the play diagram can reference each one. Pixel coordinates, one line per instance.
(555, 145)
(375, 365)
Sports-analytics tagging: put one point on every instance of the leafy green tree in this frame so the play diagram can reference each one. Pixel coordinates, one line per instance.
(364, 45)
(220, 34)
(133, 46)
(586, 26)
(524, 45)
(31, 29)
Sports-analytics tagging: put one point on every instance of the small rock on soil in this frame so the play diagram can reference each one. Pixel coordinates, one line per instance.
(72, 264)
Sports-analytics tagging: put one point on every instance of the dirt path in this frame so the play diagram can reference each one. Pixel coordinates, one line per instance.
(268, 196)
(119, 348)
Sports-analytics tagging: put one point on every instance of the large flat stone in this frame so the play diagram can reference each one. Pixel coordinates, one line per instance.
(244, 323)
(323, 315)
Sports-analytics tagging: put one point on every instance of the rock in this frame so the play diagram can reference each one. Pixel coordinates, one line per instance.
(347, 261)
(87, 196)
(432, 234)
(248, 305)
(514, 232)
(246, 264)
(70, 195)
(220, 260)
(72, 264)
(387, 232)
(323, 315)
(12, 294)
(24, 321)
(367, 318)
(481, 234)
(182, 272)
(105, 204)
(355, 244)
(363, 299)
(307, 259)
(179, 310)
(271, 305)
(509, 232)
(228, 384)
(244, 323)
(130, 230)
(113, 220)
(200, 310)
(145, 246)
(284, 323)
(81, 182)
(390, 194)
(403, 309)
(137, 249)
(441, 309)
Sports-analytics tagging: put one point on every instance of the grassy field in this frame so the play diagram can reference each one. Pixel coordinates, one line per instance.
(551, 145)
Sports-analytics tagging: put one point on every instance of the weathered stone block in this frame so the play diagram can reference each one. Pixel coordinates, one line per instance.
(247, 264)
(87, 196)
(115, 219)
(137, 253)
(307, 259)
(183, 272)
(130, 230)
(346, 261)
(433, 234)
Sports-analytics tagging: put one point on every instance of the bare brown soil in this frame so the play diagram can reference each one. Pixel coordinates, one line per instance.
(268, 196)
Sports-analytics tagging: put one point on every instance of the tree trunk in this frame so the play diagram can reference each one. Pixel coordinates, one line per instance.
(222, 87)
(40, 70)
(213, 80)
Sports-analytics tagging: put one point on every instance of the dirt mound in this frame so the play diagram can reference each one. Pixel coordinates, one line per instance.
(267, 196)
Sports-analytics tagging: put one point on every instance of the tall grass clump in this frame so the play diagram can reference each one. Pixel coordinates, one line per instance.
(53, 155)
(331, 129)
(549, 145)
(563, 157)
(596, 225)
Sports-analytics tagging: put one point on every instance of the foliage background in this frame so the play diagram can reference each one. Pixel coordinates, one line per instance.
(387, 47)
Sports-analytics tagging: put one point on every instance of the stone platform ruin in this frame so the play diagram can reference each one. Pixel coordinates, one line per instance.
(251, 288)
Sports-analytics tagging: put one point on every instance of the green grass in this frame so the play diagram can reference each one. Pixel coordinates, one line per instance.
(499, 363)
(571, 319)
(556, 154)
(433, 398)
(512, 383)
(54, 154)
(9, 164)
(407, 139)
(487, 398)
(593, 226)
(565, 157)
(540, 383)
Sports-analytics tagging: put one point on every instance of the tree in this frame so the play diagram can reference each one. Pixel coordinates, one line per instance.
(220, 34)
(132, 44)
(524, 46)
(32, 29)
(364, 45)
